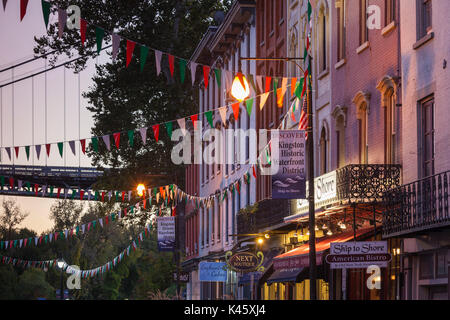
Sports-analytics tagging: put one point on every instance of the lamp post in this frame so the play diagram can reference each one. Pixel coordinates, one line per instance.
(239, 86)
(61, 264)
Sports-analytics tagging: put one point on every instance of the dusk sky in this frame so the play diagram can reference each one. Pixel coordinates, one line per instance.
(17, 39)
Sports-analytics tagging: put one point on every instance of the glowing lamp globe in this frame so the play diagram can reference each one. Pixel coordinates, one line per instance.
(240, 89)
(140, 189)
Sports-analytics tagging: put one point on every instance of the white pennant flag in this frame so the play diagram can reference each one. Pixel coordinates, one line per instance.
(143, 132)
(19, 184)
(182, 124)
(36, 240)
(89, 195)
(193, 67)
(20, 244)
(72, 147)
(82, 227)
(115, 45)
(223, 114)
(65, 193)
(101, 222)
(109, 195)
(129, 195)
(44, 190)
(66, 233)
(107, 141)
(158, 56)
(51, 237)
(263, 100)
(259, 83)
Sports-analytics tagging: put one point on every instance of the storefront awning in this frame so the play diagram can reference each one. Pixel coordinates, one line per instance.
(299, 257)
(285, 275)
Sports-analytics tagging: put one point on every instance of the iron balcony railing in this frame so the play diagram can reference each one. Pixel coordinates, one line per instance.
(417, 206)
(356, 183)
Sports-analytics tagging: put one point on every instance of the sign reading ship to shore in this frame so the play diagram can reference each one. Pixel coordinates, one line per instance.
(290, 180)
(245, 261)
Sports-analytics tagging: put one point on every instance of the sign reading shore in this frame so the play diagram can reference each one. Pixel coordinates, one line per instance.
(359, 254)
(289, 181)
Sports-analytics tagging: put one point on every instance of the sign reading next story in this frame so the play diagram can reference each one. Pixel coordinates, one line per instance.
(290, 180)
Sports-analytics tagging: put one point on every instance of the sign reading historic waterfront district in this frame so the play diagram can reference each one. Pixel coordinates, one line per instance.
(166, 233)
(245, 261)
(359, 254)
(289, 181)
(212, 271)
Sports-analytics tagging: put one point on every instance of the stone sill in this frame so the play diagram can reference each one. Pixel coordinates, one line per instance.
(391, 26)
(323, 74)
(363, 47)
(423, 40)
(340, 63)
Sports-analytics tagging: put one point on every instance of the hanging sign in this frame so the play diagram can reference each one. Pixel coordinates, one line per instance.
(358, 254)
(166, 233)
(212, 271)
(245, 261)
(290, 180)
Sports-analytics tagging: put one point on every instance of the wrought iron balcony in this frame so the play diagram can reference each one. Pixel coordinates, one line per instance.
(267, 213)
(417, 206)
(366, 183)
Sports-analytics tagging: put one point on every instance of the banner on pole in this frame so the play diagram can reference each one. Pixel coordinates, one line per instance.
(290, 180)
(166, 233)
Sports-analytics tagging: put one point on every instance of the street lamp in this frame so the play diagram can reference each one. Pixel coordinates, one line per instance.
(310, 160)
(140, 190)
(240, 89)
(60, 263)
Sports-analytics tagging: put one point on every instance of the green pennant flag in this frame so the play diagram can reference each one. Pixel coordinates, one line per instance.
(275, 84)
(249, 105)
(209, 115)
(182, 70)
(28, 186)
(169, 127)
(97, 194)
(45, 11)
(77, 230)
(268, 157)
(117, 196)
(60, 148)
(309, 10)
(27, 151)
(94, 223)
(131, 137)
(99, 34)
(144, 54)
(73, 193)
(95, 144)
(2, 181)
(51, 191)
(218, 74)
(299, 87)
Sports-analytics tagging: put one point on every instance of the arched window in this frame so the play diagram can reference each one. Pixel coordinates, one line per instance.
(387, 87)
(361, 101)
(340, 116)
(323, 151)
(322, 37)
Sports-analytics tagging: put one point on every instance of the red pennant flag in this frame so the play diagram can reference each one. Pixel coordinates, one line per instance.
(171, 63)
(123, 196)
(59, 193)
(81, 194)
(83, 145)
(47, 147)
(145, 204)
(40, 239)
(103, 196)
(268, 79)
(174, 213)
(237, 188)
(241, 78)
(106, 220)
(23, 8)
(130, 49)
(194, 119)
(156, 131)
(36, 187)
(206, 75)
(117, 139)
(11, 182)
(17, 151)
(125, 212)
(254, 171)
(83, 29)
(236, 110)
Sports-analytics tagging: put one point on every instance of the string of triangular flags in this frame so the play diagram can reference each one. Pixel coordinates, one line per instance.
(83, 273)
(87, 226)
(130, 135)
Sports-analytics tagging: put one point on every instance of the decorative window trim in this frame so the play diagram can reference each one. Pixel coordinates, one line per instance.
(340, 63)
(340, 111)
(363, 47)
(384, 86)
(359, 99)
(391, 26)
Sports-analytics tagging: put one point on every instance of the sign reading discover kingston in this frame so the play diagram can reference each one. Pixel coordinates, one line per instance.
(359, 254)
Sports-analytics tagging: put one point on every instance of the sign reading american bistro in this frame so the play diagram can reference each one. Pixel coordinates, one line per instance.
(245, 261)
(358, 254)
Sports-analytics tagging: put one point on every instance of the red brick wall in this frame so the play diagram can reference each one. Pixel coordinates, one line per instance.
(362, 72)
